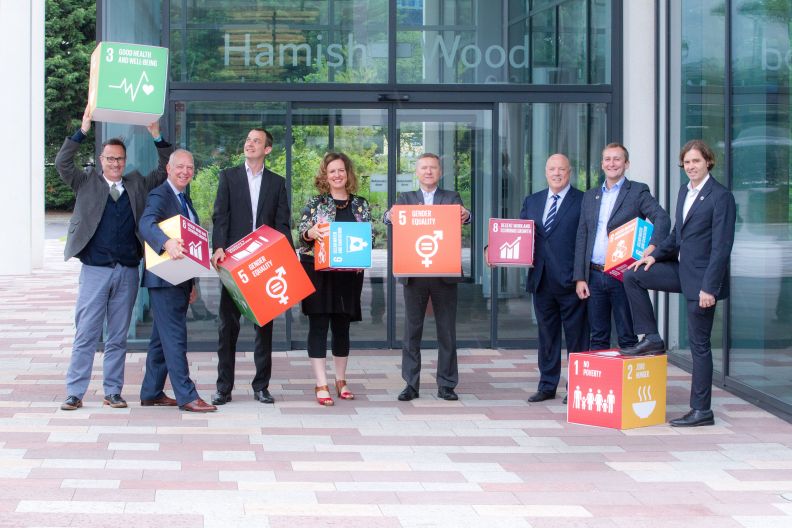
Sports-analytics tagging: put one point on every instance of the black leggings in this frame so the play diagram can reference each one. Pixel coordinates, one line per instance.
(317, 335)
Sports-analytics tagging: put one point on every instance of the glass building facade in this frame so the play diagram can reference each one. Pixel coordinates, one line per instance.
(493, 87)
(728, 73)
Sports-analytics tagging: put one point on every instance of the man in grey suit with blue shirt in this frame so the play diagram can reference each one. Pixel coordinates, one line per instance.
(419, 290)
(103, 235)
(605, 208)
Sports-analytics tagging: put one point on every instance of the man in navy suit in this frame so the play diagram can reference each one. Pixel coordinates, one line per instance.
(604, 209)
(556, 214)
(248, 196)
(693, 260)
(418, 290)
(167, 353)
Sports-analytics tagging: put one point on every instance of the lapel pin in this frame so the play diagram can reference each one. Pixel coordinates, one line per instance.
(702, 198)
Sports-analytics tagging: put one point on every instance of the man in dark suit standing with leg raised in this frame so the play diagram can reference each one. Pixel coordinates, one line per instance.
(419, 290)
(556, 213)
(605, 208)
(692, 260)
(248, 196)
(167, 352)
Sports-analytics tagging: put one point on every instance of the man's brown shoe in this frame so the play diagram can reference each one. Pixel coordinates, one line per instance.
(162, 401)
(199, 406)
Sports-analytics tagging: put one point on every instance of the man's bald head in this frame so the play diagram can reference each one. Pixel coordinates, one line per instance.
(557, 172)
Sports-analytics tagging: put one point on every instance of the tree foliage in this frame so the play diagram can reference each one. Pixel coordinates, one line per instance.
(69, 40)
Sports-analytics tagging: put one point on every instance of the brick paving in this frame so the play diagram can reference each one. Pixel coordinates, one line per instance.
(490, 459)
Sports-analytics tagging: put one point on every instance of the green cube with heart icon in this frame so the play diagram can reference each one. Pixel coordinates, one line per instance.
(127, 83)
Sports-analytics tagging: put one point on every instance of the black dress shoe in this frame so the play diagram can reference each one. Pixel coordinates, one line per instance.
(447, 393)
(408, 394)
(71, 403)
(564, 402)
(694, 418)
(644, 347)
(540, 396)
(221, 398)
(115, 401)
(263, 396)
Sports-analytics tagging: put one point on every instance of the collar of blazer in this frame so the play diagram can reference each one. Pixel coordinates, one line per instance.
(438, 198)
(700, 197)
(623, 190)
(562, 210)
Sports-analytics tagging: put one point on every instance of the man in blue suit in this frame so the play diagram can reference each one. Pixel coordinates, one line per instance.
(167, 353)
(556, 214)
(604, 209)
(692, 260)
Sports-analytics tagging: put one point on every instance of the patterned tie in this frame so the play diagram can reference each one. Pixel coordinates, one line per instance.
(551, 214)
(115, 193)
(185, 210)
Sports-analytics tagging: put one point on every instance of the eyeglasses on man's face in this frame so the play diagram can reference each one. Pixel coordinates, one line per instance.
(113, 159)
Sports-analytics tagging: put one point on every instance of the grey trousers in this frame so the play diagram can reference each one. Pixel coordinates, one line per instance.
(417, 294)
(105, 294)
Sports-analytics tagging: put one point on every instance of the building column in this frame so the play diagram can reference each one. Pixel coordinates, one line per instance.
(22, 136)
(640, 127)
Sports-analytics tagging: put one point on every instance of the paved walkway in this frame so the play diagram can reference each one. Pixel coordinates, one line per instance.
(488, 460)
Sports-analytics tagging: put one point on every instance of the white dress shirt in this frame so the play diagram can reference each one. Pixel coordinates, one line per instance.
(254, 184)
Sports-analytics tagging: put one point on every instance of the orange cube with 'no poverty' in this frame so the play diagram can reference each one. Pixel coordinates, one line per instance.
(621, 392)
(263, 275)
(427, 240)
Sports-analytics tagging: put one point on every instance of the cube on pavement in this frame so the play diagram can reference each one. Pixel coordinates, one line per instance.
(343, 246)
(626, 244)
(127, 83)
(263, 275)
(427, 240)
(196, 256)
(511, 242)
(621, 392)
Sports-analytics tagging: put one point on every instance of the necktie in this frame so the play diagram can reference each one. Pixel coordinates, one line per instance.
(185, 210)
(115, 194)
(551, 213)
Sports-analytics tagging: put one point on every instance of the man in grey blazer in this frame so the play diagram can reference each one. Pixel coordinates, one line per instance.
(103, 235)
(605, 208)
(418, 291)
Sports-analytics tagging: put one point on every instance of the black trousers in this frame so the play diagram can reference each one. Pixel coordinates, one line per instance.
(664, 276)
(317, 335)
(228, 332)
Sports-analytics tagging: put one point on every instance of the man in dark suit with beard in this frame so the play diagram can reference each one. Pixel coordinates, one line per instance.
(248, 196)
(692, 260)
(556, 213)
(419, 290)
